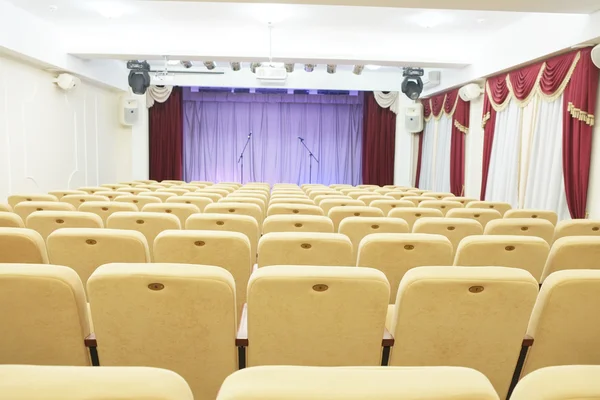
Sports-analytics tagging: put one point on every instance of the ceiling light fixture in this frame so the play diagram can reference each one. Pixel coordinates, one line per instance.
(309, 67)
(412, 86)
(358, 69)
(235, 66)
(289, 67)
(253, 66)
(331, 68)
(210, 65)
(187, 64)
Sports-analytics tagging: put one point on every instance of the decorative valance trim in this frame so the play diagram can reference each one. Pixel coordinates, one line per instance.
(460, 127)
(581, 115)
(485, 119)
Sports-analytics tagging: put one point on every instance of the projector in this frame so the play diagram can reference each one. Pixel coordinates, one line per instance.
(269, 73)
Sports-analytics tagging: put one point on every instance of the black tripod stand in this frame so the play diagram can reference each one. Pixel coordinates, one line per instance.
(310, 158)
(241, 159)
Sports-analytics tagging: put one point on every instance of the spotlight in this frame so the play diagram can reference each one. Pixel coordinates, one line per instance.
(235, 66)
(331, 68)
(253, 66)
(358, 69)
(210, 65)
(139, 77)
(186, 64)
(289, 67)
(412, 86)
(309, 67)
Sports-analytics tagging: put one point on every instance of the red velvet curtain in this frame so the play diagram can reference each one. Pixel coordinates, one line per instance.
(166, 138)
(379, 141)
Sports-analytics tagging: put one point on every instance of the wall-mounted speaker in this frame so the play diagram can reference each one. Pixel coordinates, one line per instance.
(413, 118)
(596, 56)
(128, 111)
(470, 92)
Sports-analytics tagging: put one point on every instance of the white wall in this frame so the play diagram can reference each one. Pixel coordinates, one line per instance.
(404, 155)
(52, 140)
(140, 150)
(474, 151)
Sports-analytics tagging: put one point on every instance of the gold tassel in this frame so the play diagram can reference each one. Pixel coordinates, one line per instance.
(581, 115)
(460, 127)
(485, 119)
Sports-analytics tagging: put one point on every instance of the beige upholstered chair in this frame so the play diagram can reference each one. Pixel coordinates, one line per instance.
(92, 189)
(15, 199)
(294, 209)
(416, 200)
(291, 200)
(178, 191)
(357, 228)
(418, 192)
(521, 226)
(232, 199)
(78, 199)
(565, 382)
(229, 250)
(4, 207)
(491, 205)
(289, 195)
(45, 317)
(440, 195)
(181, 211)
(328, 204)
(564, 323)
(10, 220)
(347, 307)
(26, 208)
(252, 210)
(149, 224)
(482, 215)
(150, 186)
(213, 196)
(443, 205)
(20, 245)
(577, 227)
(200, 202)
(134, 191)
(338, 186)
(475, 317)
(254, 194)
(112, 195)
(539, 214)
(412, 215)
(297, 223)
(524, 252)
(455, 229)
(201, 183)
(233, 185)
(356, 194)
(462, 200)
(573, 252)
(304, 248)
(397, 253)
(214, 190)
(368, 187)
(163, 196)
(371, 197)
(313, 194)
(46, 222)
(114, 186)
(85, 249)
(59, 194)
(173, 182)
(399, 195)
(337, 196)
(388, 205)
(139, 201)
(337, 214)
(127, 299)
(105, 209)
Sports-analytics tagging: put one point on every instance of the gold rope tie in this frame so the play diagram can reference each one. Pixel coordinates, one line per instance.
(485, 119)
(581, 115)
(460, 127)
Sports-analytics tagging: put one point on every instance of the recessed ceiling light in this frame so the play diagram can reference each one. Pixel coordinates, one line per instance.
(372, 67)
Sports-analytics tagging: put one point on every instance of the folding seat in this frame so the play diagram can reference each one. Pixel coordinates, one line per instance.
(521, 226)
(226, 188)
(357, 228)
(304, 248)
(163, 196)
(565, 382)
(338, 186)
(105, 209)
(418, 192)
(291, 200)
(149, 224)
(384, 190)
(191, 188)
(399, 195)
(541, 214)
(21, 245)
(111, 195)
(197, 309)
(289, 194)
(326, 192)
(146, 181)
(320, 198)
(412, 215)
(440, 195)
(473, 317)
(152, 187)
(59, 194)
(4, 207)
(85, 249)
(199, 183)
(177, 191)
(92, 189)
(368, 187)
(356, 195)
(455, 229)
(396, 253)
(347, 191)
(337, 214)
(347, 307)
(462, 200)
(369, 198)
(200, 202)
(577, 227)
(214, 190)
(181, 211)
(573, 252)
(418, 199)
(294, 209)
(297, 223)
(132, 183)
(258, 194)
(77, 200)
(492, 205)
(245, 200)
(114, 186)
(285, 186)
(524, 252)
(564, 323)
(213, 196)
(443, 205)
(235, 185)
(45, 317)
(173, 182)
(10, 220)
(46, 222)
(26, 208)
(389, 204)
(359, 383)
(139, 201)
(252, 210)
(483, 215)
(15, 199)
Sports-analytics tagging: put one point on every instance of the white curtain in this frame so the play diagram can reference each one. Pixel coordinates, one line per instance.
(442, 154)
(427, 155)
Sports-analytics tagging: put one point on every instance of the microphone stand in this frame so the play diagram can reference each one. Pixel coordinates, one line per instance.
(310, 158)
(241, 159)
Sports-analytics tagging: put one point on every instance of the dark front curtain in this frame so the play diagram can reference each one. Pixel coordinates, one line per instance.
(166, 138)
(379, 141)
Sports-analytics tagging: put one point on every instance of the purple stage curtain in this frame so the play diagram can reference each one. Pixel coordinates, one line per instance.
(216, 126)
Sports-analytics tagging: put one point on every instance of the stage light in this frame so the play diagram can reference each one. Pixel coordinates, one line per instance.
(235, 66)
(210, 65)
(186, 64)
(412, 86)
(253, 66)
(358, 69)
(331, 68)
(309, 67)
(139, 77)
(289, 67)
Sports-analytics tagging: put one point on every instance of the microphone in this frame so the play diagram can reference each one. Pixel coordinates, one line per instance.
(300, 138)
(250, 135)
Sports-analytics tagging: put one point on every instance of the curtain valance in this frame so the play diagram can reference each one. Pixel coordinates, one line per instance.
(388, 100)
(158, 94)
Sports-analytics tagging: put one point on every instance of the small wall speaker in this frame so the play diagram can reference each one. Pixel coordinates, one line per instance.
(470, 92)
(413, 118)
(128, 111)
(67, 82)
(596, 56)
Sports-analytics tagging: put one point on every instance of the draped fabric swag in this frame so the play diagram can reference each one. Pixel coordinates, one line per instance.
(379, 141)
(158, 94)
(166, 138)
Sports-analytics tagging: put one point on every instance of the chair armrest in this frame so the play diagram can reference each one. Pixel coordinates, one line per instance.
(242, 335)
(90, 340)
(388, 339)
(527, 341)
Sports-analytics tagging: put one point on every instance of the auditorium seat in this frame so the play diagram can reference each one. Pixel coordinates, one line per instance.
(176, 190)
(573, 252)
(413, 214)
(357, 228)
(44, 317)
(139, 201)
(224, 189)
(181, 211)
(92, 189)
(337, 214)
(205, 183)
(256, 194)
(5, 207)
(229, 250)
(26, 208)
(416, 200)
(173, 316)
(440, 195)
(173, 182)
(356, 195)
(111, 195)
(21, 245)
(294, 209)
(502, 208)
(474, 317)
(462, 200)
(46, 222)
(200, 202)
(359, 383)
(289, 194)
(59, 194)
(320, 198)
(577, 227)
(313, 194)
(114, 186)
(521, 226)
(77, 200)
(191, 188)
(213, 196)
(328, 204)
(234, 185)
(321, 316)
(388, 205)
(10, 220)
(383, 190)
(146, 181)
(105, 209)
(399, 195)
(291, 200)
(85, 249)
(483, 215)
(396, 253)
(232, 198)
(252, 210)
(149, 224)
(443, 205)
(368, 187)
(304, 248)
(369, 198)
(564, 323)
(524, 252)
(338, 186)
(297, 223)
(418, 192)
(455, 229)
(151, 187)
(162, 196)
(541, 214)
(568, 382)
(15, 199)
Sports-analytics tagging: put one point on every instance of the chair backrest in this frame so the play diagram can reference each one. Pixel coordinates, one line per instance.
(399, 195)
(443, 205)
(397, 253)
(535, 214)
(59, 194)
(113, 195)
(181, 211)
(329, 204)
(46, 222)
(440, 195)
(291, 200)
(213, 196)
(388, 205)
(462, 200)
(297, 223)
(573, 252)
(149, 224)
(26, 208)
(105, 209)
(521, 227)
(10, 220)
(92, 189)
(476, 317)
(371, 197)
(357, 228)
(313, 194)
(564, 323)
(126, 300)
(347, 307)
(215, 190)
(483, 215)
(232, 198)
(178, 191)
(5, 207)
(418, 199)
(45, 316)
(566, 382)
(85, 249)
(455, 229)
(163, 196)
(294, 209)
(21, 245)
(491, 205)
(134, 191)
(78, 199)
(577, 227)
(413, 214)
(114, 186)
(524, 252)
(15, 199)
(304, 248)
(337, 214)
(251, 210)
(139, 201)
